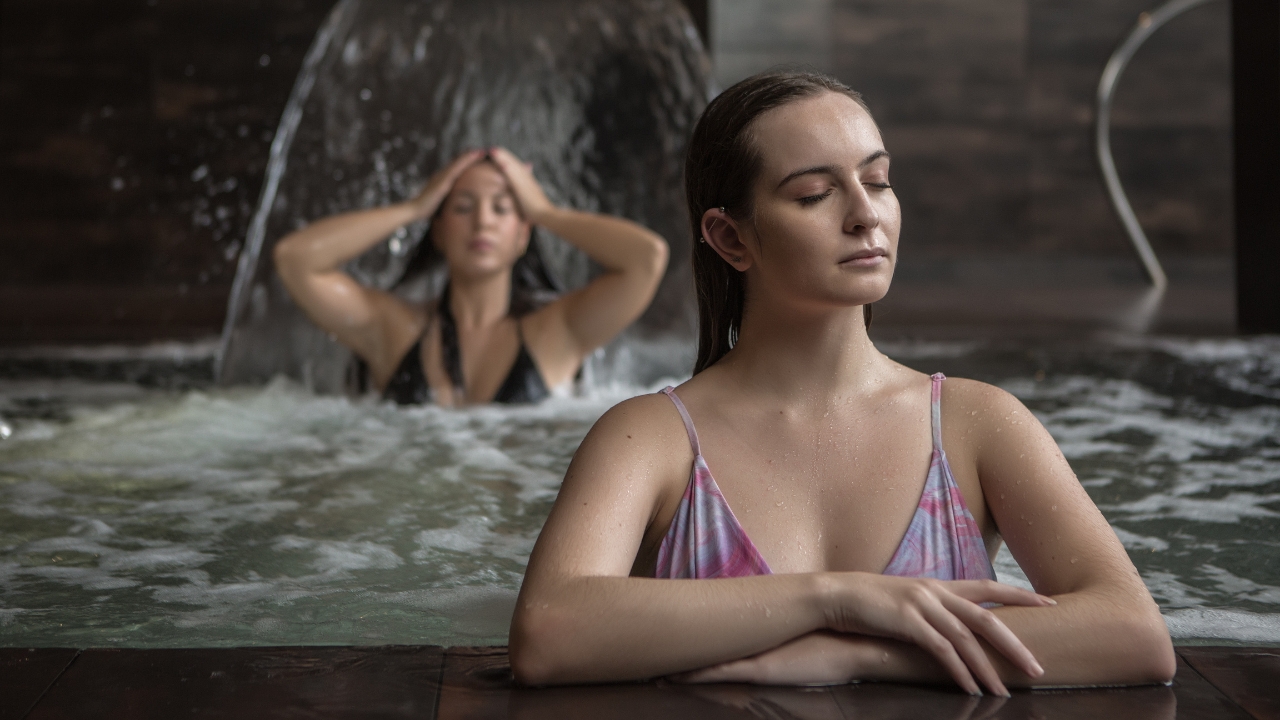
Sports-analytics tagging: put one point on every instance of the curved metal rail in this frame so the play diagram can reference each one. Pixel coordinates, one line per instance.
(1148, 23)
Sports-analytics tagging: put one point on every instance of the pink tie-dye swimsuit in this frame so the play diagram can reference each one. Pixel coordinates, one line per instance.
(706, 541)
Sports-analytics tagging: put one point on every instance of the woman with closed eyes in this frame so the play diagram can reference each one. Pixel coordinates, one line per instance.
(805, 509)
(481, 341)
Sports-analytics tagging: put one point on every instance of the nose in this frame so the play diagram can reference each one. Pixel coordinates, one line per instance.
(860, 215)
(484, 215)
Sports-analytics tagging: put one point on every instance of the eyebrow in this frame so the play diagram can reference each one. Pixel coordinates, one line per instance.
(831, 169)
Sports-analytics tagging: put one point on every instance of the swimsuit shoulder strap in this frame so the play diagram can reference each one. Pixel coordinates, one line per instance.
(449, 351)
(936, 410)
(670, 392)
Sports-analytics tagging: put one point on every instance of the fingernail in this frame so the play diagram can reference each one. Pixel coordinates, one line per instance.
(1038, 670)
(1049, 600)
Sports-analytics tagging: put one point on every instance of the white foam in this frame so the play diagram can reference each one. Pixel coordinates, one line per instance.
(1222, 624)
(273, 515)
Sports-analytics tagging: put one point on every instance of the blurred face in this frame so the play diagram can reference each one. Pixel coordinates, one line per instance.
(824, 231)
(479, 229)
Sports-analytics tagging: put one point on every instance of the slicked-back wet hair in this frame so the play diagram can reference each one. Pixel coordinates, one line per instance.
(720, 170)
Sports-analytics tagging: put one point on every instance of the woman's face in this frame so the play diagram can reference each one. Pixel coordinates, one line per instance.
(825, 225)
(479, 229)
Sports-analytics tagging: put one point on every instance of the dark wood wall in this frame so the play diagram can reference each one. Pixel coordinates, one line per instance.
(134, 134)
(133, 138)
(988, 109)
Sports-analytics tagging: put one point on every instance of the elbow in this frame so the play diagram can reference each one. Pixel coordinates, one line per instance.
(1162, 662)
(538, 647)
(1149, 650)
(654, 262)
(285, 256)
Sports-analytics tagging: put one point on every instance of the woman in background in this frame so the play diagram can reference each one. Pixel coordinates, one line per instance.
(471, 345)
(848, 530)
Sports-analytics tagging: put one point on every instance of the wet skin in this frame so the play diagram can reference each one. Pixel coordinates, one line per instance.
(821, 445)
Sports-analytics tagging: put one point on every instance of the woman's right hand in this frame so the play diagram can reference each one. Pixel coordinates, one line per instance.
(428, 200)
(944, 618)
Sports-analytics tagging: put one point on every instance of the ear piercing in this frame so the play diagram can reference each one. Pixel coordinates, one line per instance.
(703, 239)
(737, 258)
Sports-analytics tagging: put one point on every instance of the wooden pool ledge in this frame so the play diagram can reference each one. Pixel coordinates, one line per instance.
(425, 682)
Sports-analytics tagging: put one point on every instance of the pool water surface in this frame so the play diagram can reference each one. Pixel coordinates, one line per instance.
(140, 517)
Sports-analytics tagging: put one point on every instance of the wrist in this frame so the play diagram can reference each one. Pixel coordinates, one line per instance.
(822, 599)
(415, 211)
(544, 215)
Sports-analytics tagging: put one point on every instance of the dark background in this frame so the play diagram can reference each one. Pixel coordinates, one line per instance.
(134, 135)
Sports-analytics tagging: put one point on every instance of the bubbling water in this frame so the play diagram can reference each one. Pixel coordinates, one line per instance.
(271, 516)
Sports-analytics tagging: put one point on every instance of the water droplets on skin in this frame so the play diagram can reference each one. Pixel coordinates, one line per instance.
(1179, 444)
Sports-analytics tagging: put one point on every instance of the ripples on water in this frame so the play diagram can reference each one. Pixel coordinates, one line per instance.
(271, 516)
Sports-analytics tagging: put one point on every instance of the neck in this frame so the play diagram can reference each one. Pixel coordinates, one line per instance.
(479, 302)
(806, 357)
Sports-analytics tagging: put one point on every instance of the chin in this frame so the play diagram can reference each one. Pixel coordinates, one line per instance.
(863, 290)
(480, 268)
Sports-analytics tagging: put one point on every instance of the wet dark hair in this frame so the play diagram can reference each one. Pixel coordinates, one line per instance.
(720, 170)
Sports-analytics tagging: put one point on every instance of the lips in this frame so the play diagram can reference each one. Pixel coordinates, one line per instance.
(870, 257)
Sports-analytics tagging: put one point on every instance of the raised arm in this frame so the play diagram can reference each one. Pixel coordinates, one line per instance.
(581, 618)
(633, 257)
(310, 262)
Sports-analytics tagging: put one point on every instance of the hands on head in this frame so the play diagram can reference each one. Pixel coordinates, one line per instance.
(525, 189)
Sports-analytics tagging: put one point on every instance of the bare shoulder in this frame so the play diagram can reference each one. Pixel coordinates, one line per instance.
(635, 459)
(647, 425)
(976, 405)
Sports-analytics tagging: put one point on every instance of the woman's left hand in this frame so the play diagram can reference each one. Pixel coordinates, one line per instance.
(819, 658)
(529, 195)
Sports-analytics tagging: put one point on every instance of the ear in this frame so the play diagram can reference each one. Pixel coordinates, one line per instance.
(724, 235)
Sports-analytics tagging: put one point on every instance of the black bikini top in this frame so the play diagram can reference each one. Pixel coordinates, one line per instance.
(408, 384)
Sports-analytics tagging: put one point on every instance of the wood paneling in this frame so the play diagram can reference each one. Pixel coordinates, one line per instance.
(133, 138)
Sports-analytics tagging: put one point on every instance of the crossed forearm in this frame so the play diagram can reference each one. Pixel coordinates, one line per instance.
(600, 629)
(1086, 639)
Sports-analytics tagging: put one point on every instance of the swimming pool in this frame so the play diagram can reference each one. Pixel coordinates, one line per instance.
(134, 516)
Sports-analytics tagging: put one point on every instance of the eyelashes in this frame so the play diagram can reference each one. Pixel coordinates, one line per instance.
(814, 199)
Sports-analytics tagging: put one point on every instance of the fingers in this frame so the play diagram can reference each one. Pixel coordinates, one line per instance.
(944, 650)
(980, 591)
(985, 623)
(529, 194)
(736, 671)
(965, 645)
(462, 162)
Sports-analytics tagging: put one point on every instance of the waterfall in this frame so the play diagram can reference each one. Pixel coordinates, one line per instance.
(600, 95)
